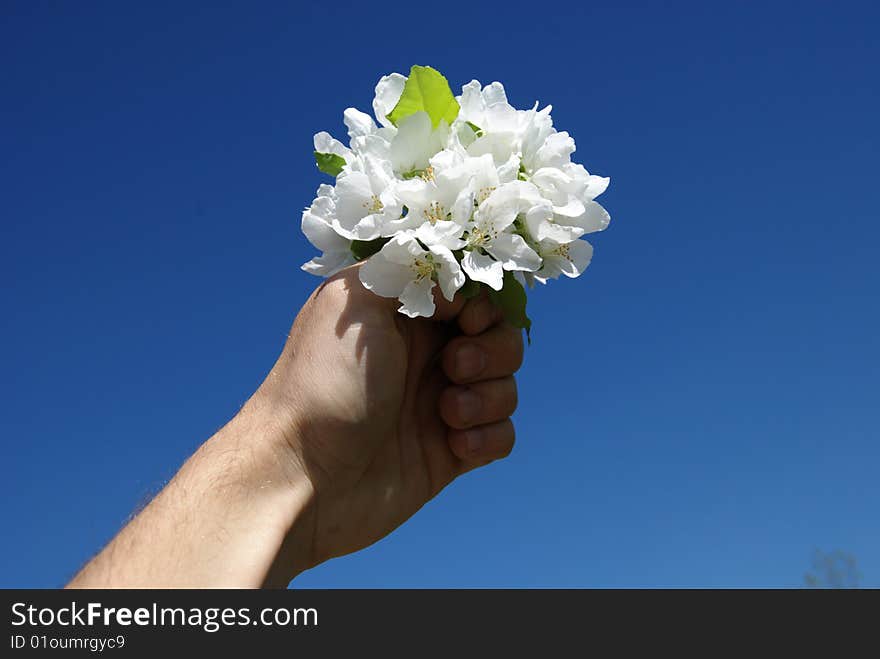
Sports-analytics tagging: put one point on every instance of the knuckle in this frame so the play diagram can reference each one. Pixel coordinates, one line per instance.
(334, 291)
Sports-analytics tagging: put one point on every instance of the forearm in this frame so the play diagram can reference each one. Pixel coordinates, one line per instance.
(233, 516)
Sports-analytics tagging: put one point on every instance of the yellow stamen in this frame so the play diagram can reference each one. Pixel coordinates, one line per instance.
(562, 251)
(374, 205)
(483, 193)
(481, 234)
(423, 267)
(434, 212)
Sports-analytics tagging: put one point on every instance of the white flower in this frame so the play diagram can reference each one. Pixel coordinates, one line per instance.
(359, 123)
(493, 249)
(546, 162)
(569, 259)
(409, 145)
(571, 191)
(442, 234)
(318, 228)
(554, 151)
(499, 123)
(365, 137)
(387, 94)
(365, 199)
(439, 202)
(475, 102)
(537, 128)
(496, 191)
(479, 174)
(407, 148)
(504, 132)
(560, 185)
(404, 270)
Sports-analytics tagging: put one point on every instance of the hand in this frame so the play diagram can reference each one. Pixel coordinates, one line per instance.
(366, 415)
(383, 411)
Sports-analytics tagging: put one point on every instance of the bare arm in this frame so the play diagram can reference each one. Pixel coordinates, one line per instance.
(365, 416)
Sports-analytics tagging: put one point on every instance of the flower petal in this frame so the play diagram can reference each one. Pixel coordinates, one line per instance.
(595, 218)
(505, 203)
(494, 93)
(409, 222)
(358, 123)
(499, 145)
(579, 255)
(320, 232)
(449, 274)
(444, 233)
(403, 249)
(513, 253)
(556, 150)
(463, 208)
(354, 199)
(384, 277)
(509, 170)
(372, 146)
(325, 143)
(570, 259)
(481, 267)
(572, 208)
(416, 142)
(558, 233)
(329, 263)
(414, 193)
(417, 299)
(388, 91)
(472, 103)
(596, 185)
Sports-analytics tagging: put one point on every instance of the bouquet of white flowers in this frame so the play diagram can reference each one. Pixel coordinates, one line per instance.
(457, 191)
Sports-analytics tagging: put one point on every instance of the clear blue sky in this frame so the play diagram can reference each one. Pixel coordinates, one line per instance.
(700, 409)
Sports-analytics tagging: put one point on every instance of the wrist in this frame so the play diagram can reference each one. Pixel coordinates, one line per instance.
(235, 515)
(255, 459)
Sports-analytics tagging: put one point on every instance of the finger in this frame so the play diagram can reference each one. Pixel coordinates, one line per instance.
(478, 315)
(478, 403)
(493, 354)
(444, 309)
(482, 444)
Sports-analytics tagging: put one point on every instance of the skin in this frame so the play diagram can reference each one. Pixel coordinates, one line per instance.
(366, 415)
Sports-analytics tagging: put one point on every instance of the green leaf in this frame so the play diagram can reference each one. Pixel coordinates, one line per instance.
(470, 289)
(329, 163)
(477, 130)
(364, 249)
(512, 301)
(426, 90)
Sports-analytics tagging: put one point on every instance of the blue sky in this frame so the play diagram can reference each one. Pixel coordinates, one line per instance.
(700, 409)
